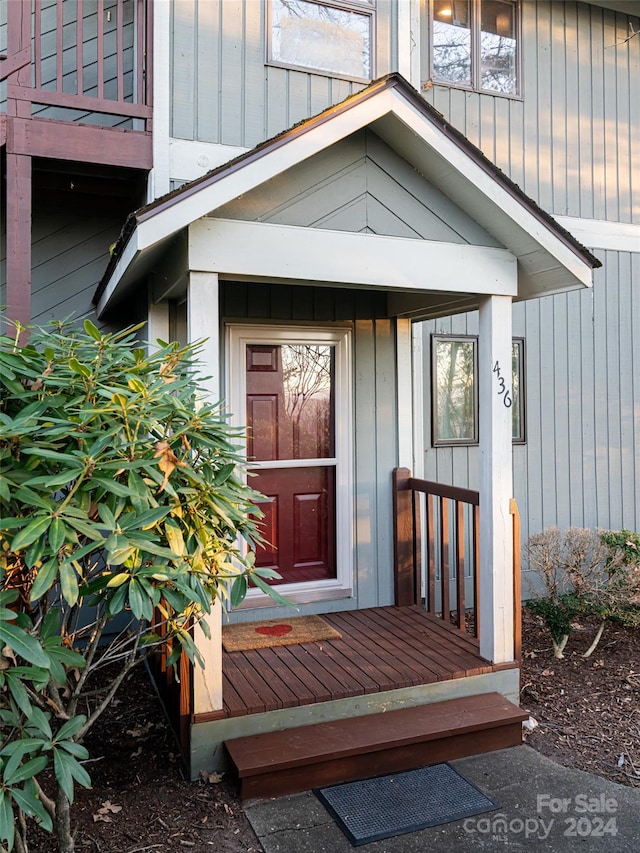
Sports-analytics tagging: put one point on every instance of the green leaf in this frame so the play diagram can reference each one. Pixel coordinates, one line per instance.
(30, 533)
(112, 486)
(279, 599)
(92, 330)
(14, 772)
(174, 538)
(67, 769)
(45, 577)
(23, 644)
(57, 533)
(27, 799)
(69, 583)
(78, 367)
(238, 591)
(71, 727)
(7, 828)
(18, 691)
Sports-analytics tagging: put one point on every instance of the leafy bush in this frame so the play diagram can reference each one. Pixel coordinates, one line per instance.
(583, 573)
(121, 496)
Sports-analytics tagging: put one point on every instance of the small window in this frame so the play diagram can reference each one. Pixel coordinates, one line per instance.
(455, 403)
(454, 367)
(331, 38)
(474, 43)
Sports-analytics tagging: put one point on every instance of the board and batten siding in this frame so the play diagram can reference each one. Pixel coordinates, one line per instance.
(70, 252)
(568, 142)
(374, 339)
(222, 89)
(580, 464)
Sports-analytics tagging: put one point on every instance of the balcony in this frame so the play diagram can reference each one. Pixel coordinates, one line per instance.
(77, 80)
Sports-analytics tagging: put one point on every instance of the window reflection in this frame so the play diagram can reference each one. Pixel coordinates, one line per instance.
(314, 35)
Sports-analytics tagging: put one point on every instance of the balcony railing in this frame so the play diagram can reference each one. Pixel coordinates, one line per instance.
(87, 61)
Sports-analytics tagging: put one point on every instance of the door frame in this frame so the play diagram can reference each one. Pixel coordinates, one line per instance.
(237, 337)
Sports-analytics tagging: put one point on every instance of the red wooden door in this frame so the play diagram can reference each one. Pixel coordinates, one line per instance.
(290, 418)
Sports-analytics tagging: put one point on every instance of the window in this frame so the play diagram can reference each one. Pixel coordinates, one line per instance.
(474, 43)
(331, 38)
(454, 390)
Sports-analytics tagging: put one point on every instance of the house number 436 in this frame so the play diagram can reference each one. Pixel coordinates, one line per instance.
(503, 391)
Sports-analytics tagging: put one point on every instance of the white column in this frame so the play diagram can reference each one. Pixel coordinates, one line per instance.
(496, 487)
(159, 177)
(404, 393)
(157, 323)
(409, 41)
(203, 322)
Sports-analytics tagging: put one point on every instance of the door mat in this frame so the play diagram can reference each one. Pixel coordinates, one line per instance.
(277, 632)
(386, 806)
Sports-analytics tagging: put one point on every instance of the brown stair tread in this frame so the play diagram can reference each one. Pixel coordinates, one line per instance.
(280, 750)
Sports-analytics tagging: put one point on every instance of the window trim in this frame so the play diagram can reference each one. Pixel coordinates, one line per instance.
(476, 74)
(238, 336)
(522, 438)
(465, 442)
(358, 6)
(452, 442)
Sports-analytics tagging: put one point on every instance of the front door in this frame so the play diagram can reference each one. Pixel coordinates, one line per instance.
(291, 402)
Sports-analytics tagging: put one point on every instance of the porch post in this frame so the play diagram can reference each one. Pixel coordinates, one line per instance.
(496, 488)
(203, 321)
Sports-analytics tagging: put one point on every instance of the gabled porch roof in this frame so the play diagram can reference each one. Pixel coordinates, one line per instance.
(549, 259)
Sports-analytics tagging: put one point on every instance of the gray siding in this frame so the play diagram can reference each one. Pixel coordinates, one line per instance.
(70, 253)
(374, 400)
(580, 464)
(359, 184)
(223, 91)
(568, 142)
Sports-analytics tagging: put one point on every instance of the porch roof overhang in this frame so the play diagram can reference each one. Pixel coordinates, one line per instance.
(548, 258)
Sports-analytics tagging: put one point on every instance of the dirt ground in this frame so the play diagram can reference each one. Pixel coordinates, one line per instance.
(588, 711)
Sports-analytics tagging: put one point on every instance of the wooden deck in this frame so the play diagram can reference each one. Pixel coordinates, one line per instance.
(383, 648)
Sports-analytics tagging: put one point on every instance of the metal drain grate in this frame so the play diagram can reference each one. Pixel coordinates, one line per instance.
(373, 809)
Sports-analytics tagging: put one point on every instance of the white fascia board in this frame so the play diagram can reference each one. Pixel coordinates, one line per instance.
(131, 251)
(239, 248)
(266, 165)
(600, 234)
(490, 187)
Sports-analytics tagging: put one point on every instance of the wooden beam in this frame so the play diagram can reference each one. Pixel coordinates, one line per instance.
(18, 297)
(67, 140)
(368, 260)
(404, 575)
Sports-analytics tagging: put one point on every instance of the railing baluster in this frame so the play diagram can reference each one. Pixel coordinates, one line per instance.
(37, 44)
(445, 570)
(417, 546)
(431, 557)
(476, 571)
(100, 49)
(120, 49)
(459, 544)
(80, 48)
(59, 45)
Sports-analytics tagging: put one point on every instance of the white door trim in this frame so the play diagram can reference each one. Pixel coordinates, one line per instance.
(237, 338)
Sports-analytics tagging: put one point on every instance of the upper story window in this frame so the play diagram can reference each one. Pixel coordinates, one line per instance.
(474, 43)
(330, 38)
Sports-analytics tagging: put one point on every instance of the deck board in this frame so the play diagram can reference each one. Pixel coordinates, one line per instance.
(380, 649)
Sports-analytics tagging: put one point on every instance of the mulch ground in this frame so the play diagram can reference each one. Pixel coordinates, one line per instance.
(588, 714)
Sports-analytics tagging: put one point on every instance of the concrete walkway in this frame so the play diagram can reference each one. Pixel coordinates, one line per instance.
(543, 807)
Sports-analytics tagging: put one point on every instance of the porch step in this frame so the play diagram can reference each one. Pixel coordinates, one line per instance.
(291, 760)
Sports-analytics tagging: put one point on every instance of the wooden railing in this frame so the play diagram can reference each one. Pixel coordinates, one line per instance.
(93, 58)
(450, 549)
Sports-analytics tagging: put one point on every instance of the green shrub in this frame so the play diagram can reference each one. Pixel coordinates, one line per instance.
(121, 489)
